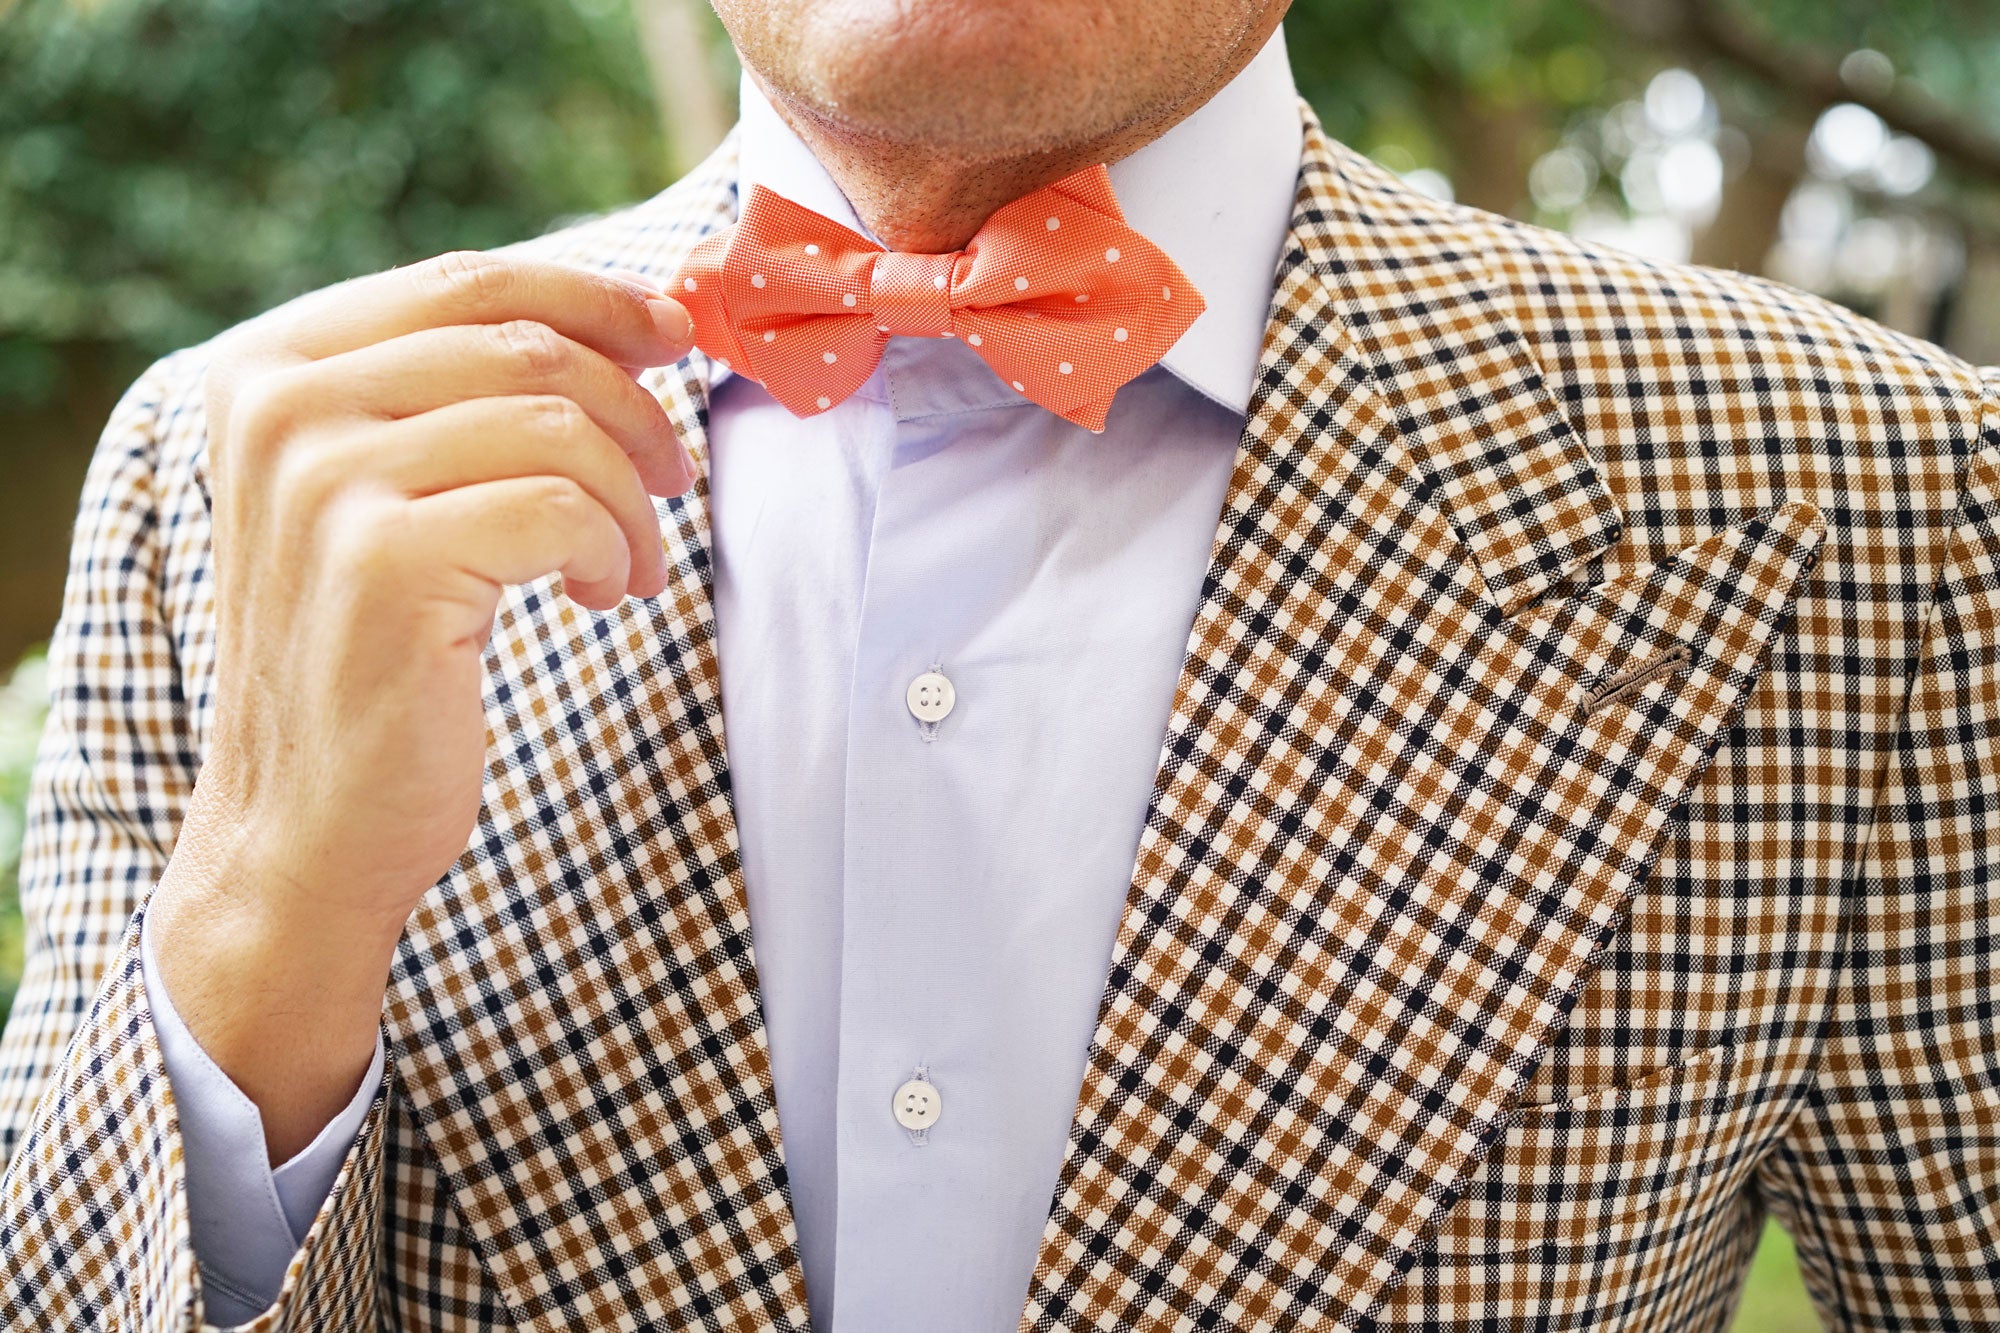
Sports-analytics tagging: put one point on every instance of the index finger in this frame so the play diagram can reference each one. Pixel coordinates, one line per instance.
(616, 317)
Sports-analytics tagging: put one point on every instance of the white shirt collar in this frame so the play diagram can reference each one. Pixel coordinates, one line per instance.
(1215, 192)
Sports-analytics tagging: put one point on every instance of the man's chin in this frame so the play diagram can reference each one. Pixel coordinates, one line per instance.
(1001, 78)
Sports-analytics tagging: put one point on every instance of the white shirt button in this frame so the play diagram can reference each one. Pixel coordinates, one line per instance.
(917, 1105)
(930, 697)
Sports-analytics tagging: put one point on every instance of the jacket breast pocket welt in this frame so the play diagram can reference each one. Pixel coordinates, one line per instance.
(1588, 722)
(1571, 1173)
(1600, 710)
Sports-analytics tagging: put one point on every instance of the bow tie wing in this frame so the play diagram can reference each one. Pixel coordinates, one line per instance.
(1060, 297)
(1067, 302)
(782, 296)
(1091, 187)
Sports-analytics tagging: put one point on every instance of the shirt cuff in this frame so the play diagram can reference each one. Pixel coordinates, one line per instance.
(247, 1219)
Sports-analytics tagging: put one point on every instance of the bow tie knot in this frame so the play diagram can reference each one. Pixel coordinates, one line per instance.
(1056, 293)
(911, 294)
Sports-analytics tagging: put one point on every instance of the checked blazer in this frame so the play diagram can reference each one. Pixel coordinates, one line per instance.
(1574, 840)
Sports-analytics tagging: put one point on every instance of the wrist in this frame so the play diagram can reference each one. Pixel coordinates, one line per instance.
(282, 991)
(230, 881)
(224, 949)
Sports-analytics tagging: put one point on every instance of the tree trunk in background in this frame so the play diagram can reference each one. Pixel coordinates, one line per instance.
(1973, 333)
(1742, 234)
(1492, 146)
(44, 453)
(695, 109)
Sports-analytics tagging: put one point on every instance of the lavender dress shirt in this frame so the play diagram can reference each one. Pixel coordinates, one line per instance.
(943, 897)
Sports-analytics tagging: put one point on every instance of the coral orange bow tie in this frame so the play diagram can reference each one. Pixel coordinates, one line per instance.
(1060, 297)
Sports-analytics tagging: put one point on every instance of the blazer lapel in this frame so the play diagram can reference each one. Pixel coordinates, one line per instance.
(1407, 296)
(1391, 829)
(575, 1013)
(1385, 841)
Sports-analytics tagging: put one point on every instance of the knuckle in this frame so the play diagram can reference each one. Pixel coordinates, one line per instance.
(465, 278)
(229, 358)
(622, 305)
(262, 412)
(556, 416)
(301, 480)
(564, 499)
(535, 347)
(370, 540)
(255, 345)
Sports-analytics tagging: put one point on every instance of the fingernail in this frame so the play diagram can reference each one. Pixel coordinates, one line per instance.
(671, 319)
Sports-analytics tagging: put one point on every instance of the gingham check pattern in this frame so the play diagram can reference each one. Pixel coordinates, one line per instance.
(1444, 999)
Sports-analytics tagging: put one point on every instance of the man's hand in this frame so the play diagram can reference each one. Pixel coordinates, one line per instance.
(384, 457)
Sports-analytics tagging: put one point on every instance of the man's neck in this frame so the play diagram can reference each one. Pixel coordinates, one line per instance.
(928, 201)
(1216, 192)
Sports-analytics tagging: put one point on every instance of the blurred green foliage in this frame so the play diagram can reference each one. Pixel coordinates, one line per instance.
(1378, 70)
(168, 167)
(23, 704)
(1774, 1297)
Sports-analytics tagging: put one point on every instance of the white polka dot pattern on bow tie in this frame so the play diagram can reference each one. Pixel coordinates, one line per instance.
(1054, 292)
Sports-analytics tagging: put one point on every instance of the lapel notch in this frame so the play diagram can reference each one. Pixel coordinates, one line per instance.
(1386, 843)
(1456, 378)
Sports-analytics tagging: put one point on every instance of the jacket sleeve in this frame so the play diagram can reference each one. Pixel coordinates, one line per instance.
(94, 1227)
(246, 1218)
(1889, 1178)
